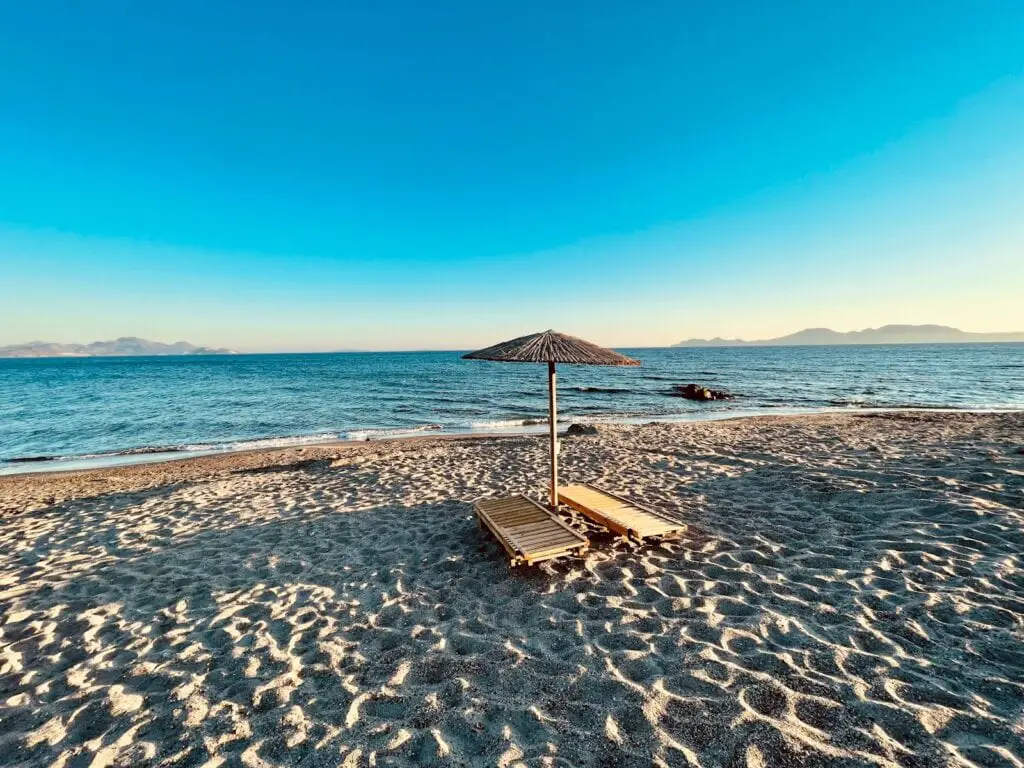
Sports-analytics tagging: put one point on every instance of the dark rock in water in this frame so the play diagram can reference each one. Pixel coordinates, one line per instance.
(697, 392)
(582, 429)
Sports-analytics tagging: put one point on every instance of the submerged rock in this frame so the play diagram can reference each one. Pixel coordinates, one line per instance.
(698, 392)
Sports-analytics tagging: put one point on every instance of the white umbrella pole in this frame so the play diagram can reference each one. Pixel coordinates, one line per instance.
(553, 417)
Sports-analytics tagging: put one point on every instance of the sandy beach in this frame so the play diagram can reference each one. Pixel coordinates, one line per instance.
(850, 592)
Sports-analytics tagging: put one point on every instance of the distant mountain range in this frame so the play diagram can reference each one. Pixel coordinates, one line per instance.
(887, 334)
(126, 346)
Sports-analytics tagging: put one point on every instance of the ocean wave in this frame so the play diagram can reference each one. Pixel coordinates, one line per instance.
(506, 423)
(284, 441)
(149, 449)
(599, 416)
(683, 376)
(809, 402)
(858, 403)
(142, 451)
(601, 389)
(603, 417)
(377, 434)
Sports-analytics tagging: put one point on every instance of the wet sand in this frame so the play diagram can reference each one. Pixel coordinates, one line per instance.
(849, 592)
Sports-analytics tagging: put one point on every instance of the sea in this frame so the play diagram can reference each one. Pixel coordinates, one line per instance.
(72, 413)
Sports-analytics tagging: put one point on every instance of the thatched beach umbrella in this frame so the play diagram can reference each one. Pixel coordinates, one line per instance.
(551, 348)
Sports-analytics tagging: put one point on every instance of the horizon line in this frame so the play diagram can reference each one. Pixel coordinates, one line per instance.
(681, 346)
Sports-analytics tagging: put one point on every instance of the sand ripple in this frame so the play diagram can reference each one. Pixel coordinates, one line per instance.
(850, 593)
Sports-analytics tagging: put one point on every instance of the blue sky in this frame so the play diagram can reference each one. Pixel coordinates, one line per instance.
(442, 175)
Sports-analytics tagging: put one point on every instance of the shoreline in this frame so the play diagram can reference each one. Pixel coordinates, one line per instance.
(45, 488)
(143, 455)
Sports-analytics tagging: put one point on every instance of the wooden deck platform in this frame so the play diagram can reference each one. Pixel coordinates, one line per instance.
(528, 531)
(621, 515)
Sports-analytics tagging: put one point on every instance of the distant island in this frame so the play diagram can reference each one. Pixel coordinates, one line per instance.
(126, 346)
(887, 334)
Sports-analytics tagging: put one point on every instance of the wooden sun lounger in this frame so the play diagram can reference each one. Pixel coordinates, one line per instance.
(621, 515)
(527, 530)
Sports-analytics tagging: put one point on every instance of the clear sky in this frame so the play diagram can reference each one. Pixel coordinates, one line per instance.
(324, 175)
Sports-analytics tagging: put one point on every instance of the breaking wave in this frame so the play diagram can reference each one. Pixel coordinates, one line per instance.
(507, 423)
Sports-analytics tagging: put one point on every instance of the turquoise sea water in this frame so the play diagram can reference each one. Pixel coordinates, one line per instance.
(81, 411)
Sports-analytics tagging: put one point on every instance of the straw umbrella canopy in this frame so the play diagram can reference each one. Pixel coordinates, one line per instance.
(551, 347)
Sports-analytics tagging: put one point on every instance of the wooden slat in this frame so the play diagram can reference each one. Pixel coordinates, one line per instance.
(499, 506)
(512, 514)
(527, 530)
(539, 540)
(501, 503)
(530, 549)
(517, 514)
(578, 549)
(518, 521)
(537, 533)
(537, 536)
(514, 509)
(506, 510)
(548, 550)
(650, 511)
(525, 536)
(621, 515)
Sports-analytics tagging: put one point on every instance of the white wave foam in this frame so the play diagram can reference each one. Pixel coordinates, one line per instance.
(266, 442)
(562, 419)
(608, 418)
(376, 434)
(506, 423)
